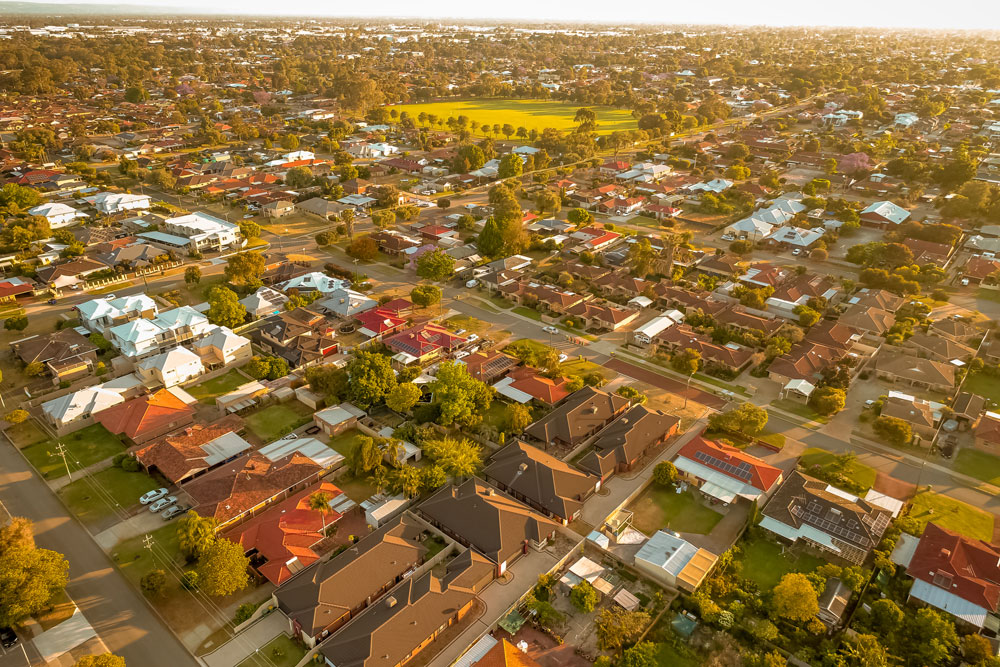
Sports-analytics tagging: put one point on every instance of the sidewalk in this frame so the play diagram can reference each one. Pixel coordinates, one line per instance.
(65, 480)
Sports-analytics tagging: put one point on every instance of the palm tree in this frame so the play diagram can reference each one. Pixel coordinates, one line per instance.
(320, 502)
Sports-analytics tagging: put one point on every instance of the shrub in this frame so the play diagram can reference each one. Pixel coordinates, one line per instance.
(129, 464)
(153, 583)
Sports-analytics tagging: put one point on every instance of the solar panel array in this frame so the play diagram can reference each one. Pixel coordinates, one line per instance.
(742, 470)
(813, 517)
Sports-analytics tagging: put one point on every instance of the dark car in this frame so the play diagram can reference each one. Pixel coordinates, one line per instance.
(52, 302)
(8, 638)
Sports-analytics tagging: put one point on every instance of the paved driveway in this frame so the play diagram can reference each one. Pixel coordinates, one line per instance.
(245, 643)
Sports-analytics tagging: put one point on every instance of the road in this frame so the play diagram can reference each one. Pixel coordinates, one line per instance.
(121, 617)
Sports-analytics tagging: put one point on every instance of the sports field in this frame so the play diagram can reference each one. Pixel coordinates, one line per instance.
(529, 114)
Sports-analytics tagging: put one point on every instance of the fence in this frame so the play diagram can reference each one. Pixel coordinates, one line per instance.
(125, 277)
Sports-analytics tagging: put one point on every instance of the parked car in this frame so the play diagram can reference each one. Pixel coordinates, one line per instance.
(312, 430)
(563, 358)
(550, 329)
(8, 638)
(472, 283)
(728, 237)
(174, 511)
(162, 503)
(797, 252)
(152, 496)
(472, 338)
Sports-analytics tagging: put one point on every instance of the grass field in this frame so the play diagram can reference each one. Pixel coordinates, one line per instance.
(281, 651)
(861, 474)
(25, 434)
(983, 385)
(83, 448)
(123, 488)
(765, 563)
(344, 443)
(277, 420)
(530, 114)
(953, 515)
(799, 409)
(207, 391)
(978, 464)
(530, 313)
(657, 508)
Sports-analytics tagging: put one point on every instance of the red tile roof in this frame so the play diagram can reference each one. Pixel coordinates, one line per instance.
(147, 416)
(547, 390)
(763, 476)
(964, 567)
(379, 320)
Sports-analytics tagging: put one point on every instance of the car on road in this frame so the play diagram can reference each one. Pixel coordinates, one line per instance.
(563, 358)
(8, 638)
(174, 511)
(52, 302)
(162, 503)
(728, 237)
(152, 496)
(550, 330)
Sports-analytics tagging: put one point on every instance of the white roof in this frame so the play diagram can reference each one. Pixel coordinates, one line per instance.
(655, 326)
(222, 338)
(949, 602)
(200, 225)
(265, 297)
(309, 447)
(885, 502)
(804, 387)
(117, 307)
(172, 359)
(888, 210)
(225, 447)
(338, 414)
(667, 551)
(312, 282)
(52, 209)
(796, 236)
(504, 389)
(90, 400)
(476, 651)
(751, 225)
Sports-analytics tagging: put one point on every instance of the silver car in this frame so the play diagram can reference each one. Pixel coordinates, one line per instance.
(152, 496)
(162, 503)
(171, 512)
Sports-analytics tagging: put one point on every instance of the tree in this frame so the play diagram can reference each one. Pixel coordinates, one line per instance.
(383, 219)
(893, 430)
(29, 577)
(510, 166)
(250, 229)
(827, 400)
(580, 216)
(807, 316)
(195, 534)
(271, 368)
(794, 598)
(136, 94)
(224, 308)
(16, 323)
(584, 596)
(366, 455)
(976, 649)
(929, 637)
(617, 627)
(425, 295)
(319, 501)
(222, 569)
(153, 583)
(245, 268)
(403, 397)
(686, 361)
(640, 257)
(102, 660)
(516, 418)
(436, 266)
(406, 480)
(546, 200)
(371, 378)
(364, 248)
(290, 142)
(643, 654)
(34, 369)
(865, 651)
(298, 177)
(192, 275)
(886, 617)
(456, 457)
(461, 398)
(747, 419)
(741, 247)
(665, 473)
(17, 416)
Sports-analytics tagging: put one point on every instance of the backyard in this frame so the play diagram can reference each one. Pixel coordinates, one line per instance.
(90, 504)
(344, 443)
(277, 420)
(530, 114)
(658, 508)
(85, 447)
(766, 562)
(207, 391)
(282, 651)
(984, 385)
(951, 514)
(980, 465)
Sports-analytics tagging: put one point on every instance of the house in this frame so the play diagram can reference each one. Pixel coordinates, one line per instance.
(955, 330)
(59, 215)
(621, 444)
(953, 573)
(825, 517)
(321, 207)
(78, 409)
(175, 366)
(284, 539)
(644, 335)
(222, 348)
(423, 343)
(602, 316)
(410, 617)
(793, 237)
(877, 298)
(884, 214)
(149, 417)
(540, 480)
(377, 323)
(526, 384)
(732, 357)
(66, 354)
(68, 273)
(299, 336)
(937, 348)
(193, 451)
(324, 597)
(924, 417)
(833, 601)
(724, 472)
(112, 203)
(579, 418)
(204, 233)
(967, 408)
(987, 432)
(915, 372)
(314, 281)
(981, 270)
(487, 366)
(336, 419)
(670, 560)
(264, 302)
(101, 314)
(872, 322)
(806, 361)
(139, 338)
(478, 516)
(346, 303)
(15, 286)
(278, 208)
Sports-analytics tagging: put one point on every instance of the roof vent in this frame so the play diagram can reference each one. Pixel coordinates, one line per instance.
(522, 467)
(390, 602)
(489, 492)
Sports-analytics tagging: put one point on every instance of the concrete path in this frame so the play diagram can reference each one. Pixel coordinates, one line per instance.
(245, 643)
(140, 524)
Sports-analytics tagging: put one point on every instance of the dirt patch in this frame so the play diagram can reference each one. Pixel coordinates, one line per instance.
(895, 488)
(543, 649)
(663, 382)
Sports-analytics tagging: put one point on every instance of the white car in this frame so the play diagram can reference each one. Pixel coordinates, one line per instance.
(471, 283)
(728, 237)
(797, 252)
(461, 355)
(472, 338)
(152, 496)
(162, 503)
(550, 330)
(563, 358)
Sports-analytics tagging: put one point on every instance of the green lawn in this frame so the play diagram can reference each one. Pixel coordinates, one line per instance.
(84, 447)
(657, 508)
(530, 114)
(531, 313)
(528, 344)
(859, 473)
(764, 563)
(207, 391)
(980, 465)
(722, 384)
(25, 434)
(358, 489)
(951, 514)
(799, 409)
(135, 560)
(983, 385)
(988, 294)
(124, 489)
(776, 440)
(344, 443)
(582, 367)
(467, 322)
(668, 656)
(277, 420)
(500, 302)
(282, 651)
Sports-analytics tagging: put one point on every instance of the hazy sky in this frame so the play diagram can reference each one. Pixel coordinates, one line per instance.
(974, 14)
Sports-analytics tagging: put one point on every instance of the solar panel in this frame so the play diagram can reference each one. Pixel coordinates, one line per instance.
(742, 471)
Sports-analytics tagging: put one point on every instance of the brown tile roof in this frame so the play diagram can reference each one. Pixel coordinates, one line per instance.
(805, 361)
(539, 387)
(584, 413)
(62, 345)
(624, 440)
(541, 478)
(959, 565)
(505, 654)
(914, 369)
(181, 455)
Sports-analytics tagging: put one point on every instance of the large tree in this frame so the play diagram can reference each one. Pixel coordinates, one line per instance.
(222, 569)
(224, 308)
(456, 457)
(29, 576)
(461, 398)
(245, 268)
(794, 598)
(403, 397)
(371, 378)
(425, 296)
(617, 627)
(436, 266)
(195, 534)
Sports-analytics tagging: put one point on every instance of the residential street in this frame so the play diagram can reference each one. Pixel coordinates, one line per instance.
(121, 617)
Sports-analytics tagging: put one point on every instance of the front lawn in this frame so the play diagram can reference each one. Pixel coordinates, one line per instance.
(277, 420)
(657, 508)
(83, 448)
(583, 367)
(952, 514)
(766, 562)
(467, 322)
(121, 490)
(282, 651)
(984, 385)
(859, 473)
(25, 434)
(799, 409)
(135, 560)
(980, 465)
(358, 489)
(207, 391)
(530, 313)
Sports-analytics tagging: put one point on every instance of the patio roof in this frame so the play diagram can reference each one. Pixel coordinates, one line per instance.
(717, 484)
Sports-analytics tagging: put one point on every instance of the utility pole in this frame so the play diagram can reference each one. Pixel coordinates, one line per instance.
(61, 451)
(147, 542)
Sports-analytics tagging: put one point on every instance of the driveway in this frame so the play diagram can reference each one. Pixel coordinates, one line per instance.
(245, 643)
